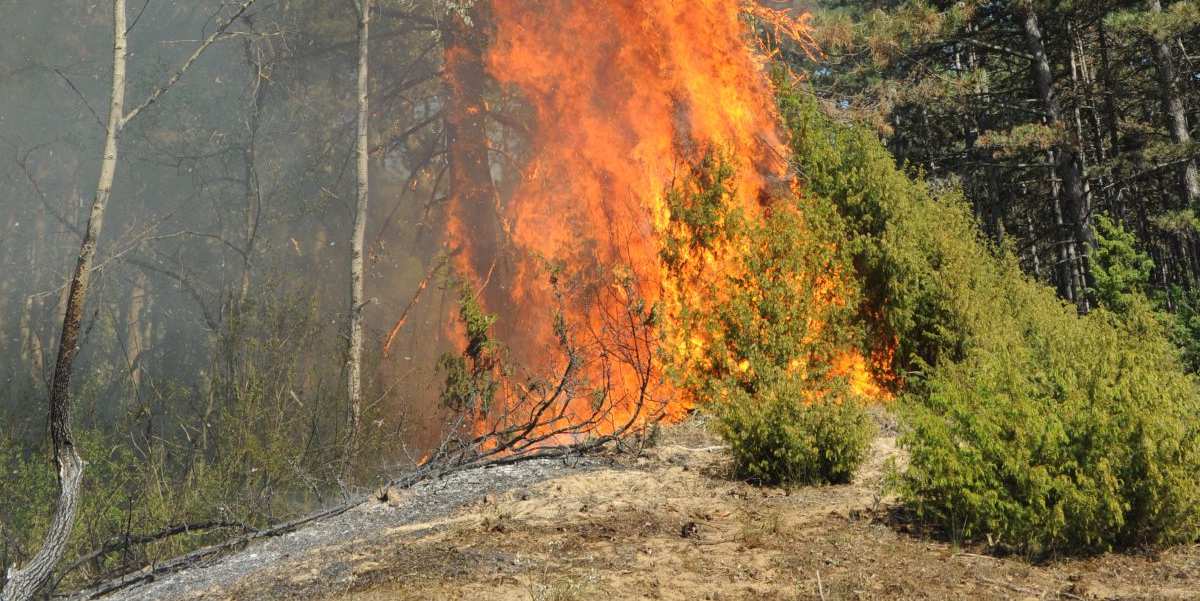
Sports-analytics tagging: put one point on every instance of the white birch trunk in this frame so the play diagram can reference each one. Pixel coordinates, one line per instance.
(25, 582)
(357, 288)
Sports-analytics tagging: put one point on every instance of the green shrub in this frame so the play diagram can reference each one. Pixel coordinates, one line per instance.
(1185, 325)
(781, 318)
(779, 436)
(1084, 438)
(1026, 424)
(1120, 269)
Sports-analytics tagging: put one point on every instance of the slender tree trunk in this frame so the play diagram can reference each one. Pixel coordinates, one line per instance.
(357, 292)
(1174, 110)
(252, 186)
(31, 340)
(31, 335)
(1079, 238)
(1064, 247)
(25, 582)
(1112, 119)
(134, 327)
(9, 224)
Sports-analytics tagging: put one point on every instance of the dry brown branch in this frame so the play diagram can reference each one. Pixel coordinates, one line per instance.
(391, 337)
(580, 408)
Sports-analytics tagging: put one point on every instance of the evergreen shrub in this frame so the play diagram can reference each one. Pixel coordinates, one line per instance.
(1026, 425)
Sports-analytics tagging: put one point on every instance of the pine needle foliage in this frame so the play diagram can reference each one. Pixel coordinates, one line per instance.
(1026, 425)
(783, 316)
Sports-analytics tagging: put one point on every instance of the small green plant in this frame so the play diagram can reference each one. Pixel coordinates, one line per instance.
(778, 436)
(471, 381)
(1120, 269)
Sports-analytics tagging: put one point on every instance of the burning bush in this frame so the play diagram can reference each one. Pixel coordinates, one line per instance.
(778, 324)
(1040, 430)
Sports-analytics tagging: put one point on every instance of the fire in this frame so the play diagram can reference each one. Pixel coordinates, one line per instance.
(626, 96)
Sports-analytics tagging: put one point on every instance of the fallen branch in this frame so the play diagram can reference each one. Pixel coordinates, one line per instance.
(118, 543)
(1027, 591)
(185, 561)
(429, 471)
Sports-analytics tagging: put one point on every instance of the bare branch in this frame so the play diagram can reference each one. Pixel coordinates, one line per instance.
(191, 60)
(82, 99)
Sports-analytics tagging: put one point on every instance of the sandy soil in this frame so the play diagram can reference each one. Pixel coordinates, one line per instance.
(671, 525)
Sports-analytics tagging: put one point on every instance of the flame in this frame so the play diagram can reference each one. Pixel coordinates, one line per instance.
(626, 95)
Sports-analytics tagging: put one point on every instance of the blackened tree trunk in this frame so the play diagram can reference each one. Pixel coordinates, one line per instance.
(473, 195)
(1174, 110)
(1079, 238)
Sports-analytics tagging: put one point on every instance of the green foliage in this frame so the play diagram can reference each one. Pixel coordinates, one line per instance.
(1025, 424)
(780, 435)
(1120, 269)
(121, 491)
(1083, 436)
(916, 256)
(1021, 139)
(28, 482)
(471, 381)
(786, 311)
(702, 214)
(1185, 325)
(787, 419)
(782, 317)
(1177, 18)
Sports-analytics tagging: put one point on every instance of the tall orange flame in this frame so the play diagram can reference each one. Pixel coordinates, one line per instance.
(627, 95)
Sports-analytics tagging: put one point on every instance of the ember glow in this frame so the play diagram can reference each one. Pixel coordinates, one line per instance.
(626, 96)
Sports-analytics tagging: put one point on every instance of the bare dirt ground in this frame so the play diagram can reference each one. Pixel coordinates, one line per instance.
(666, 525)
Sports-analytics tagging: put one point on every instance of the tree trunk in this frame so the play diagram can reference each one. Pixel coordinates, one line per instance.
(31, 349)
(134, 328)
(473, 196)
(1079, 238)
(1174, 110)
(25, 582)
(357, 292)
(251, 185)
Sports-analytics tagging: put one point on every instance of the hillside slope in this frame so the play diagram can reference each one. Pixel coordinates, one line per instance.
(665, 525)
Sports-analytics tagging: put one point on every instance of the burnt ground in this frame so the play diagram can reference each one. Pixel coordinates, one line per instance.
(666, 525)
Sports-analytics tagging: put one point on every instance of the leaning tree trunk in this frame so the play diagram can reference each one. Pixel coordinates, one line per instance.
(357, 292)
(1174, 110)
(1079, 238)
(25, 582)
